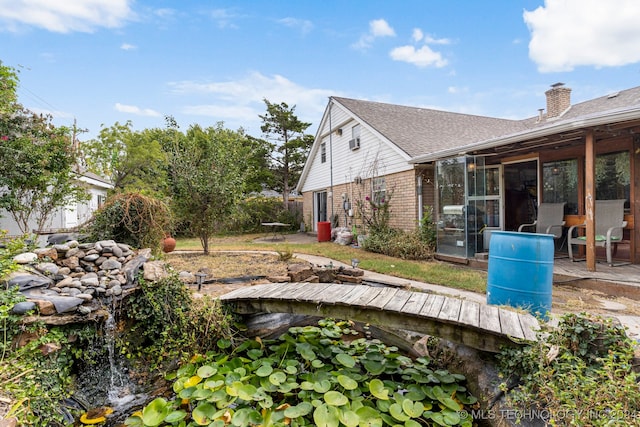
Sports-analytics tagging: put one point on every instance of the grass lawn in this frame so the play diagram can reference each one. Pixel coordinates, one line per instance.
(435, 272)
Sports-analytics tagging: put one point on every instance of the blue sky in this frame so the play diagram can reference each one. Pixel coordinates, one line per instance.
(106, 61)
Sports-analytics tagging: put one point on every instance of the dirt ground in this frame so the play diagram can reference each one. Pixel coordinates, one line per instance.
(234, 270)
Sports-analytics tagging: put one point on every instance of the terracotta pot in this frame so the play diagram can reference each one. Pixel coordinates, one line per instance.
(168, 244)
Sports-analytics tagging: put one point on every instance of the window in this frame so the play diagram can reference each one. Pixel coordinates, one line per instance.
(101, 200)
(613, 177)
(560, 184)
(379, 190)
(323, 152)
(355, 132)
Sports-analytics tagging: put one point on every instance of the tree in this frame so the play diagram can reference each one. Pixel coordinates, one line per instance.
(133, 161)
(37, 161)
(291, 146)
(207, 176)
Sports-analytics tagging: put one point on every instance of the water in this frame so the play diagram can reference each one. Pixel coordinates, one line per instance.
(104, 380)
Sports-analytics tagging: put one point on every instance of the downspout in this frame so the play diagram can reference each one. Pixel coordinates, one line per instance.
(331, 159)
(420, 209)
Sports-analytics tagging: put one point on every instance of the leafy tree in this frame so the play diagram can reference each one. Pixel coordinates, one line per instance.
(37, 161)
(290, 147)
(133, 161)
(207, 176)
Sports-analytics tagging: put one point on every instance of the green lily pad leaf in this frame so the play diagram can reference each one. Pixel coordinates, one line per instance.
(335, 398)
(255, 353)
(450, 403)
(412, 409)
(349, 418)
(155, 412)
(277, 378)
(321, 386)
(246, 392)
(203, 414)
(345, 360)
(373, 367)
(201, 394)
(369, 417)
(306, 385)
(300, 410)
(207, 371)
(232, 390)
(376, 387)
(186, 393)
(219, 395)
(264, 371)
(326, 416)
(223, 343)
(246, 417)
(213, 384)
(306, 351)
(290, 369)
(412, 423)
(396, 412)
(383, 405)
(347, 382)
(317, 363)
(186, 370)
(415, 393)
(452, 418)
(175, 416)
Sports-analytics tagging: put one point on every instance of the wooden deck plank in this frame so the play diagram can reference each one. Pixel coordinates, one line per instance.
(248, 292)
(510, 324)
(311, 292)
(490, 318)
(397, 302)
(433, 309)
(282, 291)
(450, 309)
(383, 297)
(334, 293)
(365, 299)
(529, 326)
(356, 294)
(415, 303)
(470, 313)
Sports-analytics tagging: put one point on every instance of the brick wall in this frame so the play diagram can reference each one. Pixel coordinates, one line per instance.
(403, 200)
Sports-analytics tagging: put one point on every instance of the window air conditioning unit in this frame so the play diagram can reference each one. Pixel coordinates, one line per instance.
(354, 144)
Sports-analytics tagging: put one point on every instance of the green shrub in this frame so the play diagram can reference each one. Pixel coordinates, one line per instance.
(166, 323)
(252, 212)
(399, 244)
(579, 373)
(132, 218)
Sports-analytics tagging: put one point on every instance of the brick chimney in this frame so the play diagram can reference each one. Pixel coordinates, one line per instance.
(558, 100)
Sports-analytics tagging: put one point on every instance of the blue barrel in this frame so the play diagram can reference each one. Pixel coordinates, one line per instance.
(521, 271)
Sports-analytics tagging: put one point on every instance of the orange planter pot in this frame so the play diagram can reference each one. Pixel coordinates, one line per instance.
(168, 244)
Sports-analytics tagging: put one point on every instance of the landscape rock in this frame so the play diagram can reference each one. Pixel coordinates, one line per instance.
(23, 307)
(154, 271)
(25, 258)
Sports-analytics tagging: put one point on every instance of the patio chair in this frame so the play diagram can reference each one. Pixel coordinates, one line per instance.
(549, 220)
(609, 221)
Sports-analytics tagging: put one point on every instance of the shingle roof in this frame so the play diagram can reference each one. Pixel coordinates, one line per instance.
(419, 130)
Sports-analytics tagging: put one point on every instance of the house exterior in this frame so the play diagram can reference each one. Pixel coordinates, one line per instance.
(462, 166)
(69, 217)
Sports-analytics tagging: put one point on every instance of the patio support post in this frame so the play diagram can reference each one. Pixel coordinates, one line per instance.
(589, 199)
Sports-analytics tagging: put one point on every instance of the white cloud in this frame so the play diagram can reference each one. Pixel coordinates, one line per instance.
(422, 57)
(380, 28)
(127, 46)
(223, 18)
(417, 35)
(65, 16)
(377, 28)
(132, 109)
(241, 101)
(304, 25)
(570, 33)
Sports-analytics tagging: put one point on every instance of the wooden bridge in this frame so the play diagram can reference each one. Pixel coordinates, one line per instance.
(474, 324)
